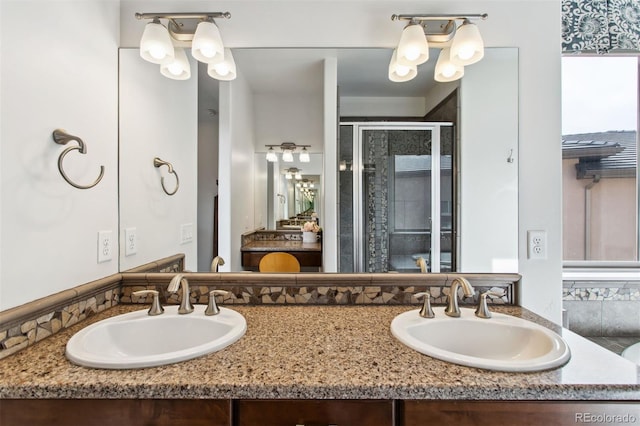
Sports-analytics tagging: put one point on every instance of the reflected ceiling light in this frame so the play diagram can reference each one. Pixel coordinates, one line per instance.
(179, 68)
(207, 44)
(291, 172)
(287, 156)
(155, 44)
(197, 29)
(446, 70)
(398, 72)
(304, 155)
(287, 152)
(466, 48)
(413, 48)
(224, 70)
(271, 156)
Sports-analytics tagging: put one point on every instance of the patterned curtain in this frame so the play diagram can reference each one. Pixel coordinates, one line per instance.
(600, 25)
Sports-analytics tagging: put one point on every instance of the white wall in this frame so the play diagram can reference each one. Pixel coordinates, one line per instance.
(287, 117)
(236, 197)
(165, 126)
(488, 202)
(49, 228)
(329, 208)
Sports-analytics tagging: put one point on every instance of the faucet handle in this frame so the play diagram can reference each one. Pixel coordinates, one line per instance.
(483, 310)
(425, 311)
(212, 308)
(156, 308)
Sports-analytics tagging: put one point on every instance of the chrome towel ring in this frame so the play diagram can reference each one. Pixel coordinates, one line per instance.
(157, 162)
(61, 137)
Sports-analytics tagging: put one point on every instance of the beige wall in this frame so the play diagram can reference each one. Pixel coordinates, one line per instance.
(613, 213)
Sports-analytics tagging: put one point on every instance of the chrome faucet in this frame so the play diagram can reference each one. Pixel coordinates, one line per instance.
(217, 261)
(452, 308)
(185, 304)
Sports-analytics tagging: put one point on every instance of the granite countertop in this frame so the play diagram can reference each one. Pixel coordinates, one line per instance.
(269, 245)
(317, 352)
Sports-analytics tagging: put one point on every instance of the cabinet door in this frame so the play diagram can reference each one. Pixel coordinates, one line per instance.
(313, 413)
(114, 412)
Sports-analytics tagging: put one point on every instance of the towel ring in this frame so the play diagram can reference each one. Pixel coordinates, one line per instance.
(61, 137)
(157, 162)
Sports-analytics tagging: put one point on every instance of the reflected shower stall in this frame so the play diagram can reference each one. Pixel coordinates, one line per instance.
(395, 193)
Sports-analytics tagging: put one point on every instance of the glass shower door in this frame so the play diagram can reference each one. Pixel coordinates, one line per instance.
(399, 199)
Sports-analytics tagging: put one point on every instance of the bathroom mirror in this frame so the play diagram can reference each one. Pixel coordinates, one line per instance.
(284, 87)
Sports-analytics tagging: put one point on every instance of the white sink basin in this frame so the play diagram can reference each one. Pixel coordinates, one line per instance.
(137, 340)
(502, 342)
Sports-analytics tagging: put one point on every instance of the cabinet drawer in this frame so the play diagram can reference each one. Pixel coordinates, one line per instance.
(313, 413)
(521, 413)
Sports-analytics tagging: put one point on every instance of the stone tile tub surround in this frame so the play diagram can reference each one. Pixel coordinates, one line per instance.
(318, 352)
(602, 308)
(25, 325)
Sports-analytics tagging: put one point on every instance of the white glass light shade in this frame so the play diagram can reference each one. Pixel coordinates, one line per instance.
(155, 44)
(225, 70)
(304, 156)
(287, 156)
(288, 175)
(467, 47)
(399, 73)
(298, 176)
(207, 44)
(271, 156)
(179, 68)
(413, 48)
(446, 70)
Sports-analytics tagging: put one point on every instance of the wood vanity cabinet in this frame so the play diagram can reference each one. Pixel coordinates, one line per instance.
(313, 412)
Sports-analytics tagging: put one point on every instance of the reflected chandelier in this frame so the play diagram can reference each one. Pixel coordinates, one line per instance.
(157, 46)
(466, 46)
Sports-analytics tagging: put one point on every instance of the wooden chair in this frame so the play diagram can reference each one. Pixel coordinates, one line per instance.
(279, 262)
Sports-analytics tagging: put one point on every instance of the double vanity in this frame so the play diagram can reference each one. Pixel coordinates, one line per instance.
(365, 364)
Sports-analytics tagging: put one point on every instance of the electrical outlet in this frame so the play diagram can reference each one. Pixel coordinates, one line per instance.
(105, 246)
(130, 241)
(537, 244)
(186, 233)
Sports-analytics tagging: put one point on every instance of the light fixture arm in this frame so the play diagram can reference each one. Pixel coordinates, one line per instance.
(438, 17)
(190, 15)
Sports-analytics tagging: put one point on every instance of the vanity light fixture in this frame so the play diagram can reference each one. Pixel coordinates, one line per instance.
(293, 171)
(287, 152)
(461, 45)
(304, 155)
(197, 29)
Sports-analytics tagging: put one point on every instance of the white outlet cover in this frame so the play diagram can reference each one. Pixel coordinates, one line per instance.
(186, 233)
(130, 241)
(105, 246)
(537, 244)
